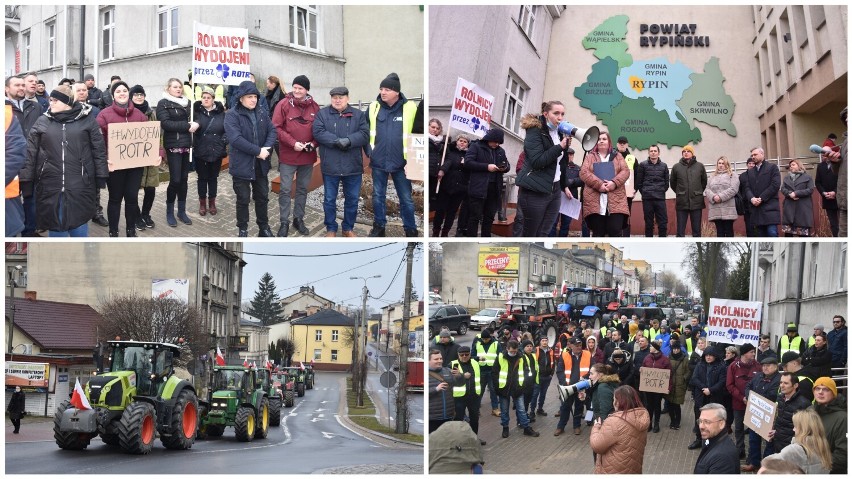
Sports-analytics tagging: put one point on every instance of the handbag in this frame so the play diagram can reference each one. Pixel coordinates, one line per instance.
(216, 149)
(740, 205)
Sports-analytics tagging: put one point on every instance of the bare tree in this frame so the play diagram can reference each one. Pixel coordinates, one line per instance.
(708, 266)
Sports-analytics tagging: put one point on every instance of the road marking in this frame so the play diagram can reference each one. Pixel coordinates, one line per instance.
(419, 421)
(319, 410)
(328, 435)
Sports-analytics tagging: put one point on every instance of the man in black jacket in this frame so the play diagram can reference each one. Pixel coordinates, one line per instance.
(546, 358)
(652, 181)
(718, 453)
(762, 185)
(742, 193)
(826, 184)
(764, 383)
(790, 401)
(511, 371)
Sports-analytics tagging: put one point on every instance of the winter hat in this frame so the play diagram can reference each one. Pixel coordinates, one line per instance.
(657, 345)
(209, 91)
(63, 94)
(88, 77)
(464, 349)
(526, 343)
(391, 82)
(689, 148)
(769, 360)
(819, 327)
(633, 328)
(745, 348)
(789, 356)
(137, 89)
(444, 334)
(302, 81)
(494, 134)
(118, 84)
(792, 327)
(712, 351)
(622, 139)
(486, 333)
(828, 383)
(675, 345)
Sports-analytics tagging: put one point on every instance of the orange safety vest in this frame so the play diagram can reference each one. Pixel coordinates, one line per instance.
(568, 361)
(13, 189)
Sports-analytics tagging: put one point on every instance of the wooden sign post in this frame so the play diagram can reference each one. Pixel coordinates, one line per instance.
(654, 380)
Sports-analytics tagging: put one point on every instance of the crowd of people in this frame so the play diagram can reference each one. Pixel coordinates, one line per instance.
(598, 376)
(467, 180)
(57, 155)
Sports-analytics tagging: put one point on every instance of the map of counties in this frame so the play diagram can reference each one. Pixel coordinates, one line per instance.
(654, 100)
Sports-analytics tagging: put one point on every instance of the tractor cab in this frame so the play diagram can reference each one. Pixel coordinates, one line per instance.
(151, 364)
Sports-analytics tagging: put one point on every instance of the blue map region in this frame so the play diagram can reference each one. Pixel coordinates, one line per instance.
(658, 79)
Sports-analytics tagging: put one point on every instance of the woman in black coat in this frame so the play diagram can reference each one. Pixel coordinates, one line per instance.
(453, 191)
(209, 148)
(826, 184)
(173, 114)
(66, 161)
(817, 359)
(437, 142)
(487, 163)
(17, 406)
(708, 384)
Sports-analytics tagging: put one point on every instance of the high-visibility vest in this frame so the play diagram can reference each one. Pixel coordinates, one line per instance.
(811, 341)
(218, 93)
(651, 333)
(504, 371)
(489, 354)
(13, 189)
(787, 345)
(568, 361)
(688, 342)
(409, 110)
(630, 160)
(460, 391)
(530, 358)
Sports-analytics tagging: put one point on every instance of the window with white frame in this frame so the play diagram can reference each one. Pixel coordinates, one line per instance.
(513, 103)
(318, 335)
(25, 57)
(317, 354)
(526, 18)
(51, 43)
(167, 26)
(303, 26)
(334, 355)
(335, 335)
(108, 33)
(535, 265)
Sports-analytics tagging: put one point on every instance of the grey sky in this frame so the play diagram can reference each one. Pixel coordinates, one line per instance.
(290, 273)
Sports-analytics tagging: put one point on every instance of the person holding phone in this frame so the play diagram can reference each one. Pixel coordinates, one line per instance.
(441, 382)
(251, 136)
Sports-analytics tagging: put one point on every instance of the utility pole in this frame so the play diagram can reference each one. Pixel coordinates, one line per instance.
(12, 285)
(402, 392)
(360, 377)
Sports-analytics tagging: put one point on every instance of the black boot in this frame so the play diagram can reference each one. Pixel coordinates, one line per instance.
(284, 230)
(131, 232)
(299, 224)
(113, 234)
(529, 431)
(657, 426)
(505, 431)
(411, 233)
(377, 231)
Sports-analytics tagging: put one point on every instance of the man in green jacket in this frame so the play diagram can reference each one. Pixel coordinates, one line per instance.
(688, 179)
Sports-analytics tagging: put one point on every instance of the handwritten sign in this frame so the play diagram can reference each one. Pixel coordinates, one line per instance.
(472, 107)
(132, 145)
(760, 414)
(734, 322)
(654, 380)
(416, 157)
(220, 55)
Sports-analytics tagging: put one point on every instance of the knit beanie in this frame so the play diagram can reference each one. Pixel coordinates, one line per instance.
(826, 382)
(137, 89)
(391, 82)
(302, 81)
(118, 84)
(526, 343)
(745, 348)
(689, 148)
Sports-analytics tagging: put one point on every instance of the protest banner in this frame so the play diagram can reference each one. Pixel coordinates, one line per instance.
(416, 157)
(220, 55)
(170, 289)
(760, 414)
(472, 107)
(133, 144)
(654, 380)
(27, 374)
(734, 322)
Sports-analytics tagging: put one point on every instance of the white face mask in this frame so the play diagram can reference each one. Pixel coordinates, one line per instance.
(511, 354)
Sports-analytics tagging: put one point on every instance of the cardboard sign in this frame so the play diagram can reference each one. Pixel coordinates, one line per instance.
(131, 145)
(734, 322)
(472, 107)
(220, 55)
(654, 380)
(760, 414)
(416, 157)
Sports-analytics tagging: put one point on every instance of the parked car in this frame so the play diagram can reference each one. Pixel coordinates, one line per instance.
(453, 316)
(649, 313)
(486, 318)
(670, 314)
(680, 314)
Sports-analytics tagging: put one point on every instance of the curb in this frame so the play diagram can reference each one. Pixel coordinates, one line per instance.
(362, 431)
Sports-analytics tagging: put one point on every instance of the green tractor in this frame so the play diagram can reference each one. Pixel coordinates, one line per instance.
(284, 382)
(309, 377)
(234, 399)
(137, 398)
(298, 374)
(266, 383)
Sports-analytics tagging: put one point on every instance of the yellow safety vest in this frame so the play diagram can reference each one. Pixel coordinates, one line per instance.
(811, 341)
(409, 109)
(688, 345)
(530, 358)
(460, 391)
(504, 371)
(13, 189)
(218, 93)
(490, 354)
(787, 345)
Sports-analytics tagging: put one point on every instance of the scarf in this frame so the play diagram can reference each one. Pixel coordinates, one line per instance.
(795, 176)
(184, 102)
(143, 107)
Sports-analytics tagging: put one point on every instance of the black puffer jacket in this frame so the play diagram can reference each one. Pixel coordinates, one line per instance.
(817, 362)
(65, 155)
(479, 155)
(456, 178)
(174, 120)
(211, 132)
(542, 156)
(711, 376)
(652, 180)
(784, 418)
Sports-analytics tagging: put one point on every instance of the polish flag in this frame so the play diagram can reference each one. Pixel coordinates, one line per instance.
(220, 359)
(254, 365)
(301, 365)
(245, 363)
(78, 398)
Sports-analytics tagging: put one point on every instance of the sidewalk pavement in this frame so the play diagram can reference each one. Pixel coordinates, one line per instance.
(33, 429)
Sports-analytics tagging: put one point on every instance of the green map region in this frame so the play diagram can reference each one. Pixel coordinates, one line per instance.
(608, 40)
(644, 125)
(707, 101)
(599, 94)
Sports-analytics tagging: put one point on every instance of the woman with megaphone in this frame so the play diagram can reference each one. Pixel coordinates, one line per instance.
(604, 173)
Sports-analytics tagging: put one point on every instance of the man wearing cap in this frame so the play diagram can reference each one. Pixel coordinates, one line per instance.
(791, 362)
(761, 195)
(95, 94)
(790, 401)
(652, 181)
(342, 133)
(546, 365)
(819, 330)
(511, 370)
(466, 395)
(791, 341)
(391, 119)
(764, 383)
(486, 161)
(573, 365)
(838, 342)
(486, 349)
(831, 408)
(688, 179)
(740, 373)
(445, 343)
(293, 119)
(631, 189)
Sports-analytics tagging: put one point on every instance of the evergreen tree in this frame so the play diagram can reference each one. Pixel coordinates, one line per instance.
(739, 280)
(266, 305)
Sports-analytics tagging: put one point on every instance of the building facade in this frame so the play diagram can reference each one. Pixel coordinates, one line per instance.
(325, 339)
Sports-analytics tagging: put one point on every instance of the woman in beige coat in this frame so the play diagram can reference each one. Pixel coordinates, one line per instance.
(605, 201)
(619, 441)
(721, 189)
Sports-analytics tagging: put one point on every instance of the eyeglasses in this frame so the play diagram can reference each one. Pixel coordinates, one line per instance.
(706, 422)
(836, 322)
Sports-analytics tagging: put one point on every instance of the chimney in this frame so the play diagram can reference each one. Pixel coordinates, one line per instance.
(30, 295)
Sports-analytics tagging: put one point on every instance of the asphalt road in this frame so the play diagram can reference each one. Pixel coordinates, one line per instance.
(311, 439)
(378, 365)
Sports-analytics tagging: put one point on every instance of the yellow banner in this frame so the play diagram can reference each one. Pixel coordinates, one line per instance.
(499, 261)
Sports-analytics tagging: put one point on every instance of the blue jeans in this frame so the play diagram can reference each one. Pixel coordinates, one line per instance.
(520, 413)
(565, 411)
(770, 231)
(563, 227)
(351, 193)
(487, 380)
(754, 456)
(540, 392)
(403, 191)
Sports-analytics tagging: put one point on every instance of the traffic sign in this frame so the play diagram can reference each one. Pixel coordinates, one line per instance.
(388, 379)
